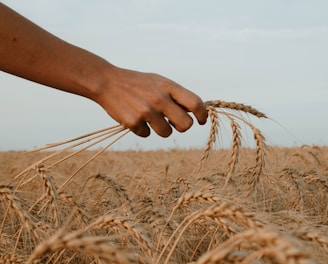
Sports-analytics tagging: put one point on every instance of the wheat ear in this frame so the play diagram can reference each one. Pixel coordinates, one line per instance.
(8, 196)
(51, 193)
(263, 243)
(236, 143)
(108, 221)
(96, 246)
(217, 213)
(211, 107)
(213, 133)
(235, 106)
(188, 198)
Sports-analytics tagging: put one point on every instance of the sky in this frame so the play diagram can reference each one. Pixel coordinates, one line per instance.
(269, 54)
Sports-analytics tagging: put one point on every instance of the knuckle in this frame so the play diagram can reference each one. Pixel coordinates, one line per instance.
(144, 114)
(131, 121)
(195, 104)
(137, 126)
(130, 124)
(159, 101)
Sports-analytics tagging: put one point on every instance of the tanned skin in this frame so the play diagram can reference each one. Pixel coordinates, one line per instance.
(134, 99)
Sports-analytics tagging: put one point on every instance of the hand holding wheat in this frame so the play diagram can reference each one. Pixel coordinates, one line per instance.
(216, 109)
(149, 100)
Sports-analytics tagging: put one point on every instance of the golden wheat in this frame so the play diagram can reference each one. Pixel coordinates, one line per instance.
(264, 244)
(74, 205)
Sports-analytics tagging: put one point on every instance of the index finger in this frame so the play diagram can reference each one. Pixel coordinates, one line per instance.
(191, 102)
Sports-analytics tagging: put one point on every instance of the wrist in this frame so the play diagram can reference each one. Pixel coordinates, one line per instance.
(94, 82)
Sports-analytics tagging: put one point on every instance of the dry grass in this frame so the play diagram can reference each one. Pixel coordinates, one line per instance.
(256, 204)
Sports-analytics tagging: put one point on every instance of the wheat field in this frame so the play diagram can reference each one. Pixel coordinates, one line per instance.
(246, 204)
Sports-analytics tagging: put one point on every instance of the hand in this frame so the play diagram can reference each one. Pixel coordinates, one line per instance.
(137, 100)
(134, 99)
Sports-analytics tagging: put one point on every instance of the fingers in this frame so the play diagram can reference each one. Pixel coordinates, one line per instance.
(141, 130)
(139, 119)
(160, 126)
(178, 116)
(161, 120)
(169, 111)
(190, 102)
(150, 100)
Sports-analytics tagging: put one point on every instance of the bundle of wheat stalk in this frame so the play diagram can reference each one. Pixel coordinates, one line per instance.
(216, 110)
(57, 211)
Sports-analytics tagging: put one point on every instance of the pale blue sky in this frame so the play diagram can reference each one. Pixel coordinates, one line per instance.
(269, 54)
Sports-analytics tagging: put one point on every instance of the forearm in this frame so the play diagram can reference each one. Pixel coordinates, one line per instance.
(30, 52)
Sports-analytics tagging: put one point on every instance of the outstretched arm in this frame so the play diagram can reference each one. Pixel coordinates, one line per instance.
(132, 98)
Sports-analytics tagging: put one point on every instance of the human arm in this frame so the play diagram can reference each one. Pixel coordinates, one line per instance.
(132, 98)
